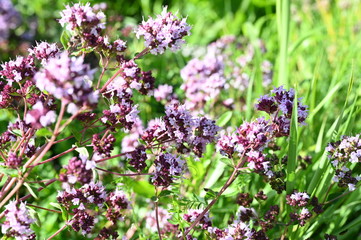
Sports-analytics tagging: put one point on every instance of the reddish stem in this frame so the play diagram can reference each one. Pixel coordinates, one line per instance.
(125, 174)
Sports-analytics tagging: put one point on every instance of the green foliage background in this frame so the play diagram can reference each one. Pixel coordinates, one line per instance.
(314, 46)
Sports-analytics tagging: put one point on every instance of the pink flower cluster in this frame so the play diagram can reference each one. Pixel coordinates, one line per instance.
(279, 105)
(68, 78)
(251, 138)
(344, 155)
(165, 31)
(18, 221)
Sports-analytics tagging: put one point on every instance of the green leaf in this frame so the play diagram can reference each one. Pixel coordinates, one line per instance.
(75, 131)
(30, 190)
(9, 171)
(224, 118)
(64, 213)
(43, 132)
(143, 188)
(82, 151)
(65, 38)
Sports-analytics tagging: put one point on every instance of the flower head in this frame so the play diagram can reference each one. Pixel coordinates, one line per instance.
(165, 31)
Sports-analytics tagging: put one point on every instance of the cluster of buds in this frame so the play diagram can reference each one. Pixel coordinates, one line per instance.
(302, 207)
(19, 69)
(167, 168)
(205, 77)
(87, 23)
(241, 227)
(79, 201)
(43, 51)
(78, 170)
(279, 106)
(103, 146)
(117, 201)
(137, 158)
(344, 155)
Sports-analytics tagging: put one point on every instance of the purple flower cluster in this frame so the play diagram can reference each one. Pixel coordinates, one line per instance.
(189, 133)
(68, 78)
(205, 76)
(43, 51)
(86, 22)
(251, 138)
(82, 221)
(245, 225)
(19, 69)
(13, 161)
(249, 141)
(279, 105)
(163, 92)
(167, 168)
(122, 114)
(103, 146)
(18, 221)
(78, 170)
(205, 132)
(299, 199)
(90, 193)
(302, 205)
(137, 158)
(344, 155)
(80, 18)
(116, 201)
(79, 201)
(203, 80)
(165, 31)
(9, 19)
(193, 214)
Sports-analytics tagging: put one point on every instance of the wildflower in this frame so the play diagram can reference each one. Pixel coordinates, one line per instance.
(17, 222)
(117, 201)
(103, 146)
(82, 18)
(69, 78)
(167, 168)
(299, 199)
(137, 158)
(193, 214)
(78, 170)
(163, 92)
(18, 69)
(343, 155)
(165, 31)
(281, 104)
(40, 116)
(13, 161)
(203, 80)
(43, 51)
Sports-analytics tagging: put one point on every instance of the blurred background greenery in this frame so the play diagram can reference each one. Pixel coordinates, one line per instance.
(322, 59)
